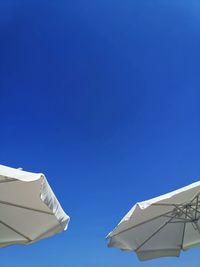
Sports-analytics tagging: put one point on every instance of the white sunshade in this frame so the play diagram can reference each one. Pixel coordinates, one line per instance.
(29, 210)
(162, 226)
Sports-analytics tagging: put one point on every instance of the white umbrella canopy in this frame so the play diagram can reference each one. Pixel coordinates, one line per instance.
(29, 210)
(162, 226)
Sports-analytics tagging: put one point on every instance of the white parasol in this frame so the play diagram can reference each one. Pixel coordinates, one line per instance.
(29, 210)
(162, 226)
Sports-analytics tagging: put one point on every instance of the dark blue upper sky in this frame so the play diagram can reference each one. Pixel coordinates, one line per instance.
(103, 97)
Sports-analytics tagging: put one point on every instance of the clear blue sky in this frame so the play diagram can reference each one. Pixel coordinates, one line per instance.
(103, 97)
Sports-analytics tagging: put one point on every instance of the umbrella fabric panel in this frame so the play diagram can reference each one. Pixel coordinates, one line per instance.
(166, 241)
(7, 235)
(25, 194)
(191, 235)
(152, 254)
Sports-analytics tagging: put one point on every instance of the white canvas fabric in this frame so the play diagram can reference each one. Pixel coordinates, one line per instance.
(162, 226)
(29, 210)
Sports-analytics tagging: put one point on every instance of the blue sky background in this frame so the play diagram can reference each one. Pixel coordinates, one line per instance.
(103, 97)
